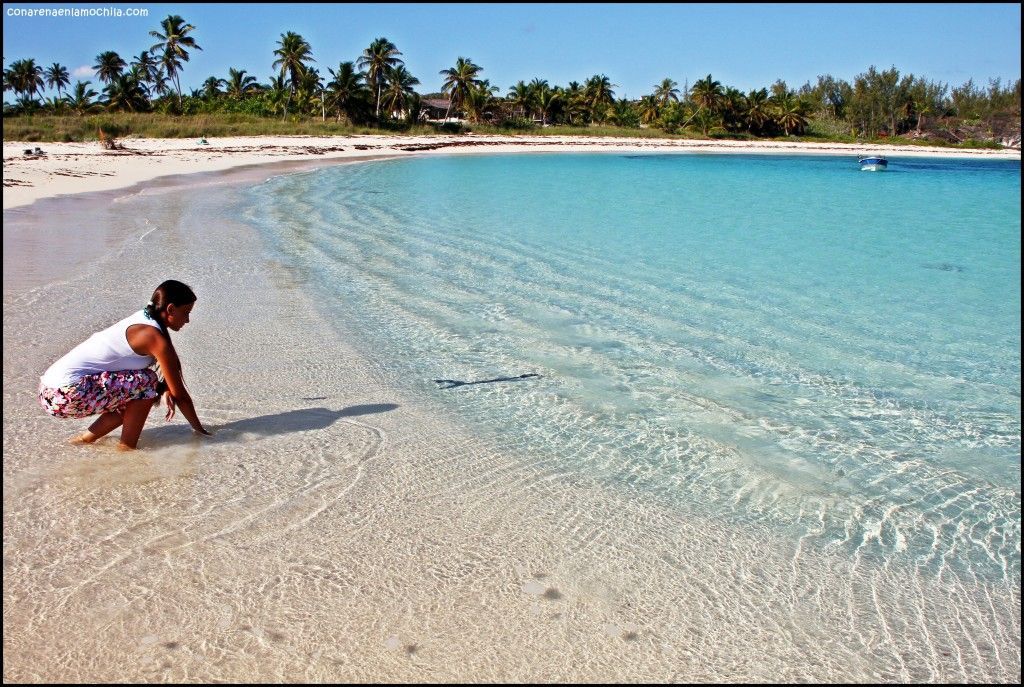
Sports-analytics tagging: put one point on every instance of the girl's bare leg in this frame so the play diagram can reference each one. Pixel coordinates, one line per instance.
(104, 425)
(134, 417)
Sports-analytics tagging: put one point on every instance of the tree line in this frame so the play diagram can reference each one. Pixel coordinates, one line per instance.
(376, 88)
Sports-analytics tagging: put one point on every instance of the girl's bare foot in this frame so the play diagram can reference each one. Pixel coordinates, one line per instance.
(83, 438)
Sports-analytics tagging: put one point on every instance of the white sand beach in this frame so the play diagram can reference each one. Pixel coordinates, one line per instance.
(82, 167)
(334, 529)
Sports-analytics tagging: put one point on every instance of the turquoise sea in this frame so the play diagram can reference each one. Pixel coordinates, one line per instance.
(783, 341)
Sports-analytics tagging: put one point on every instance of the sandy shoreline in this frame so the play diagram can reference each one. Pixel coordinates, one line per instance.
(337, 528)
(71, 168)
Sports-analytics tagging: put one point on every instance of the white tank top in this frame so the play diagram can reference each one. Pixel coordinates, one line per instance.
(104, 351)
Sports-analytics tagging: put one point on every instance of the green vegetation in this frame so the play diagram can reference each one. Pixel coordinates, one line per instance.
(41, 127)
(45, 128)
(375, 93)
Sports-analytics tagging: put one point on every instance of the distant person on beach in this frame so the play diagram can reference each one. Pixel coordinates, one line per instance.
(109, 373)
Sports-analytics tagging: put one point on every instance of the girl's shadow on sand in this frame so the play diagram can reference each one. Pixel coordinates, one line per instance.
(301, 420)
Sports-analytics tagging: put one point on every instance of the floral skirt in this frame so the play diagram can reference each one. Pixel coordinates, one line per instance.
(106, 392)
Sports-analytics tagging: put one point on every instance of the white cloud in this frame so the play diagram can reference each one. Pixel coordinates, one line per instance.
(83, 72)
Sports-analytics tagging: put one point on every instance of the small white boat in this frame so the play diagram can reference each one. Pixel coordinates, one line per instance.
(873, 164)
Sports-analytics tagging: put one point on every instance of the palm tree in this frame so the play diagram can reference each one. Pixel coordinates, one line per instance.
(459, 82)
(237, 85)
(54, 104)
(80, 99)
(544, 98)
(138, 75)
(126, 92)
(670, 117)
(400, 83)
(705, 119)
(624, 114)
(732, 109)
(790, 113)
(414, 108)
(276, 94)
(707, 94)
(666, 92)
(536, 86)
(211, 87)
(599, 91)
(758, 112)
(344, 88)
(57, 76)
(161, 84)
(650, 108)
(377, 59)
(310, 84)
(109, 66)
(25, 77)
(574, 101)
(520, 96)
(147, 66)
(479, 100)
(292, 54)
(173, 42)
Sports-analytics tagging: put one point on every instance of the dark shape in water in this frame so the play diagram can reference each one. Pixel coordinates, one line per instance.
(944, 267)
(452, 383)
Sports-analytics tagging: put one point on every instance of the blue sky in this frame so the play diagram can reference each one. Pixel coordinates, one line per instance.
(636, 46)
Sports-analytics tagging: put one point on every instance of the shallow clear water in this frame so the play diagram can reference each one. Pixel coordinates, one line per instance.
(783, 340)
